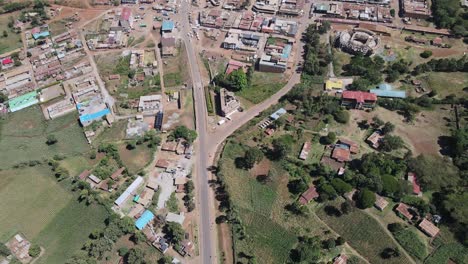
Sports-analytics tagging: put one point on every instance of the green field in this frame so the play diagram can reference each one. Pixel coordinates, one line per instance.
(362, 232)
(453, 251)
(446, 83)
(411, 242)
(267, 238)
(34, 204)
(24, 133)
(13, 40)
(264, 85)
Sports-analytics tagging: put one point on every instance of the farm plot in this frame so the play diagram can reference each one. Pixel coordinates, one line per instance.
(264, 85)
(362, 232)
(34, 204)
(24, 135)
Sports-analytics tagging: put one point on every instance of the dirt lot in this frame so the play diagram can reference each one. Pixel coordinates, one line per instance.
(421, 137)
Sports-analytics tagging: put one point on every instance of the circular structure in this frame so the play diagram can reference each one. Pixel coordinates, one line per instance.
(358, 41)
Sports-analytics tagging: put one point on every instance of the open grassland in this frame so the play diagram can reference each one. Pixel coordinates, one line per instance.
(446, 83)
(264, 84)
(24, 134)
(135, 159)
(268, 239)
(46, 213)
(176, 71)
(363, 233)
(13, 40)
(58, 27)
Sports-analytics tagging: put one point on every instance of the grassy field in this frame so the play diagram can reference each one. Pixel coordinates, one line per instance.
(362, 232)
(135, 159)
(24, 133)
(175, 69)
(46, 213)
(453, 251)
(257, 203)
(13, 40)
(410, 241)
(58, 27)
(264, 84)
(446, 83)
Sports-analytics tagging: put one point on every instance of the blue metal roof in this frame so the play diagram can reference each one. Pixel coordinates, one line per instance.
(385, 86)
(93, 116)
(144, 219)
(167, 25)
(42, 34)
(286, 51)
(278, 113)
(388, 93)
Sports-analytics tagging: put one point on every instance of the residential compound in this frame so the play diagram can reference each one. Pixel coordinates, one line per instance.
(286, 7)
(113, 32)
(354, 11)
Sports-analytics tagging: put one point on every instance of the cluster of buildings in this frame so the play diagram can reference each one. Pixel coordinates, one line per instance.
(53, 57)
(277, 7)
(418, 9)
(89, 101)
(336, 155)
(365, 12)
(115, 34)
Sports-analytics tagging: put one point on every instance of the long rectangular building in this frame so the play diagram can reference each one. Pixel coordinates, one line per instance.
(128, 192)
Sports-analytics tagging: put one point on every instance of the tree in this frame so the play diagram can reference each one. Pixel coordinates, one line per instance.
(377, 122)
(34, 250)
(175, 232)
(330, 138)
(92, 154)
(392, 12)
(51, 139)
(184, 132)
(341, 116)
(390, 186)
(324, 27)
(131, 74)
(280, 148)
(340, 241)
(341, 186)
(123, 251)
(308, 250)
(330, 243)
(138, 237)
(5, 33)
(297, 186)
(237, 80)
(395, 227)
(388, 128)
(390, 143)
(426, 54)
(3, 97)
(131, 144)
(327, 190)
(390, 253)
(251, 157)
(4, 250)
(165, 260)
(365, 199)
(346, 207)
(136, 256)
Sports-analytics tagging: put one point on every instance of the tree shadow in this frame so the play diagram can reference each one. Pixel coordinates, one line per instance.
(445, 143)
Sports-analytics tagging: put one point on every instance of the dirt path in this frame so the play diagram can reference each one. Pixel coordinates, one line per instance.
(384, 227)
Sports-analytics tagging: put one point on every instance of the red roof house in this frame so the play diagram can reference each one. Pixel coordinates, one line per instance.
(308, 195)
(353, 146)
(341, 154)
(7, 61)
(429, 228)
(403, 210)
(84, 175)
(117, 173)
(341, 259)
(234, 65)
(126, 14)
(358, 99)
(414, 181)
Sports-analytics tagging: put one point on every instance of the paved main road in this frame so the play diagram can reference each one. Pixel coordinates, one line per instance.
(206, 203)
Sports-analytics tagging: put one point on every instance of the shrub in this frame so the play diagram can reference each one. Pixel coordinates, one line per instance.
(34, 250)
(365, 199)
(426, 54)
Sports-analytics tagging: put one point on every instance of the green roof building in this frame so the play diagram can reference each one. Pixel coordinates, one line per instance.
(23, 101)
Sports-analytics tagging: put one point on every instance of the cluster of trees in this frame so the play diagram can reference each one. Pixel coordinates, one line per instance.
(443, 65)
(59, 171)
(368, 70)
(236, 81)
(15, 6)
(185, 133)
(316, 56)
(396, 69)
(188, 198)
(174, 232)
(307, 250)
(39, 8)
(251, 157)
(150, 137)
(448, 14)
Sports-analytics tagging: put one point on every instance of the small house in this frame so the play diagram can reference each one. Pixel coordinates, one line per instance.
(305, 150)
(375, 138)
(162, 163)
(380, 202)
(358, 99)
(308, 195)
(403, 210)
(428, 228)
